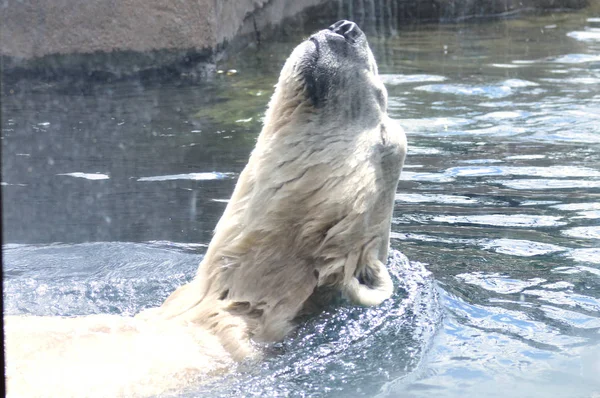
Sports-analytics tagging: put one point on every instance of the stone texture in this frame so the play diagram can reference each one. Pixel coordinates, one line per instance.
(120, 37)
(35, 28)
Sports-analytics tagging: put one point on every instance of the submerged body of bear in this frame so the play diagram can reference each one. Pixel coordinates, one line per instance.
(311, 212)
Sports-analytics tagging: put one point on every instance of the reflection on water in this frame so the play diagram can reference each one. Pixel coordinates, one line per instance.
(500, 201)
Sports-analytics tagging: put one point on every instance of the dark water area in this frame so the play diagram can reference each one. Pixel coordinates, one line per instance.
(111, 192)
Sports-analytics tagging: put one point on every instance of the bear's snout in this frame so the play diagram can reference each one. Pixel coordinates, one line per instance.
(347, 29)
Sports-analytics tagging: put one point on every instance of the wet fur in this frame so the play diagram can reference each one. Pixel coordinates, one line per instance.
(311, 209)
(309, 217)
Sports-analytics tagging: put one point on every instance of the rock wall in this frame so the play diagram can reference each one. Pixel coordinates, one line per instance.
(35, 28)
(120, 37)
(104, 38)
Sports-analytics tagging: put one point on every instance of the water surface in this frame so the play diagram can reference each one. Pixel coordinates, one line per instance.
(111, 191)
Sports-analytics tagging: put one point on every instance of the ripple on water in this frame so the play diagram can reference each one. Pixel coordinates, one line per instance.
(565, 298)
(558, 285)
(87, 176)
(421, 150)
(475, 171)
(511, 322)
(425, 177)
(574, 80)
(503, 220)
(493, 91)
(541, 184)
(92, 278)
(586, 255)
(498, 283)
(578, 206)
(498, 104)
(396, 105)
(591, 136)
(507, 66)
(523, 248)
(576, 58)
(466, 90)
(189, 176)
(549, 171)
(592, 232)
(516, 83)
(487, 170)
(428, 124)
(503, 130)
(572, 318)
(525, 157)
(552, 171)
(538, 202)
(436, 198)
(585, 35)
(344, 350)
(502, 115)
(7, 184)
(482, 161)
(394, 79)
(590, 215)
(429, 238)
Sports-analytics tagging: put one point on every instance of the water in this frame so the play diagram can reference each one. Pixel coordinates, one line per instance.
(111, 191)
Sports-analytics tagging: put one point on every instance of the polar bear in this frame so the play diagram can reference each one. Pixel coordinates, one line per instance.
(313, 206)
(310, 216)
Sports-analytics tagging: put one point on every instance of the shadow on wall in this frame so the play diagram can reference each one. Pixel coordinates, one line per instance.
(384, 17)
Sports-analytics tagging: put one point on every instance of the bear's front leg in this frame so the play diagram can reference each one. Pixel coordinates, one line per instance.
(371, 283)
(371, 287)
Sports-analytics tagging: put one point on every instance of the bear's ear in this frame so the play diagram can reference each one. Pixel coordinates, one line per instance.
(371, 287)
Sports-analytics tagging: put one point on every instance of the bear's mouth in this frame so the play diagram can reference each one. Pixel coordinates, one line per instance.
(326, 53)
(314, 78)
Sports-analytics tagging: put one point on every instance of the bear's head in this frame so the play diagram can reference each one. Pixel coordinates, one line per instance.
(333, 76)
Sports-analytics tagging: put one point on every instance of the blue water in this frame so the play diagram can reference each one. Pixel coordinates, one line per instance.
(111, 191)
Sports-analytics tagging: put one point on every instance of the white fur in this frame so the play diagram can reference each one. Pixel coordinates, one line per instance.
(311, 210)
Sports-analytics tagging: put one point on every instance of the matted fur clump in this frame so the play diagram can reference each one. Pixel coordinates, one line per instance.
(309, 218)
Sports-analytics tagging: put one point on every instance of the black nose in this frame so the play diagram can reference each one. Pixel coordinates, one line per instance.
(348, 29)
